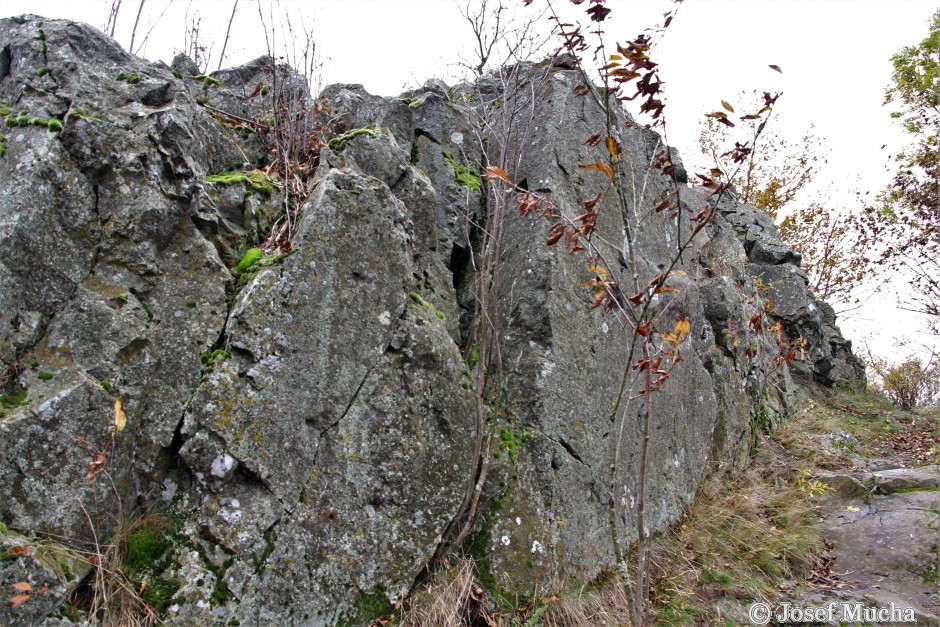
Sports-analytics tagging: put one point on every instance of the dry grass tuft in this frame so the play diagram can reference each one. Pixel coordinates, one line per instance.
(450, 598)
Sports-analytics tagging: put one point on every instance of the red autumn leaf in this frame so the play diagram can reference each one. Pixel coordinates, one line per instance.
(96, 466)
(637, 298)
(600, 167)
(775, 68)
(493, 172)
(594, 139)
(589, 204)
(555, 233)
(645, 329)
(19, 551)
(581, 90)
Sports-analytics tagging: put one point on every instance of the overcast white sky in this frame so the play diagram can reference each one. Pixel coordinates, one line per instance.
(835, 55)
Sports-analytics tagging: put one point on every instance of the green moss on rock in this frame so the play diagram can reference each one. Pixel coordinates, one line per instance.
(465, 177)
(338, 143)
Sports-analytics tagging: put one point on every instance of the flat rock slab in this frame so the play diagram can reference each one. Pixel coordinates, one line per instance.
(886, 541)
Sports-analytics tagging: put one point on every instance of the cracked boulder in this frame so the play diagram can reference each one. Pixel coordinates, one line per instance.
(108, 289)
(337, 422)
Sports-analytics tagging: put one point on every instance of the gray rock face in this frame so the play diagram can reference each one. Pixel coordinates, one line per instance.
(311, 427)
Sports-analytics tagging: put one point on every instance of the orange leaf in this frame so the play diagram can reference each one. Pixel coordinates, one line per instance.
(493, 172)
(22, 586)
(613, 147)
(600, 167)
(19, 600)
(18, 551)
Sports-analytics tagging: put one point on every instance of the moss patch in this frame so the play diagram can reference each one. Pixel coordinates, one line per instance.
(423, 303)
(465, 177)
(338, 143)
(250, 258)
(256, 181)
(131, 78)
(144, 547)
(369, 607)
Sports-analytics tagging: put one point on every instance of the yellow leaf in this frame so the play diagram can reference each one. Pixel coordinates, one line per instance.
(727, 106)
(599, 270)
(613, 147)
(851, 508)
(120, 419)
(683, 326)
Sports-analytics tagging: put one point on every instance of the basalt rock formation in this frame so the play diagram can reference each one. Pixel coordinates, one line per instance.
(308, 426)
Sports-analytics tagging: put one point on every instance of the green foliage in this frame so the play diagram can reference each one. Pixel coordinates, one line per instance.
(412, 103)
(144, 547)
(13, 396)
(159, 592)
(191, 303)
(250, 258)
(54, 126)
(43, 71)
(256, 181)
(910, 383)
(45, 376)
(338, 143)
(369, 607)
(908, 222)
(106, 384)
(131, 78)
(511, 443)
(415, 156)
(423, 303)
(465, 177)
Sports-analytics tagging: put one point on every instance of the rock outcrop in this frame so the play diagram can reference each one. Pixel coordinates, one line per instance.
(309, 425)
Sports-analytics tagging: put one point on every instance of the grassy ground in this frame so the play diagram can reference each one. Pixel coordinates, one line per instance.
(752, 534)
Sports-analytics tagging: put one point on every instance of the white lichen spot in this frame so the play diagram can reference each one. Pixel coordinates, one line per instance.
(457, 138)
(385, 318)
(605, 328)
(537, 548)
(675, 460)
(221, 465)
(505, 540)
(518, 521)
(169, 490)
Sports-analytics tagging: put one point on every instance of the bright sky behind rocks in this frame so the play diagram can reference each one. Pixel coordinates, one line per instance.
(835, 56)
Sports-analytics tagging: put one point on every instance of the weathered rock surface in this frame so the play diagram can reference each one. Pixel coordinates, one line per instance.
(311, 427)
(877, 523)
